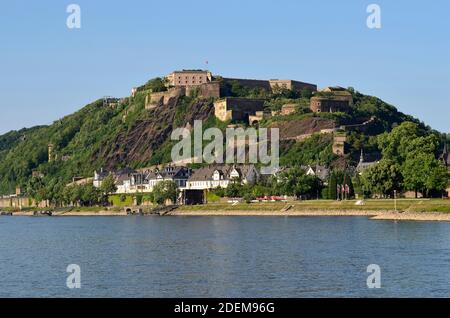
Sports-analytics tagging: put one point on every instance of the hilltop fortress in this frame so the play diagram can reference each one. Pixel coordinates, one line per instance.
(185, 83)
(203, 84)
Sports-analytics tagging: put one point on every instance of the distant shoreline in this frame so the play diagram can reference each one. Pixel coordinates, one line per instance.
(373, 215)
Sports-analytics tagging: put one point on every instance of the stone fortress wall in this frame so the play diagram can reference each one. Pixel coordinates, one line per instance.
(270, 85)
(202, 84)
(206, 90)
(238, 109)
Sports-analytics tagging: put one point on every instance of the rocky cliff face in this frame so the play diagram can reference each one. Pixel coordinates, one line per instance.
(138, 145)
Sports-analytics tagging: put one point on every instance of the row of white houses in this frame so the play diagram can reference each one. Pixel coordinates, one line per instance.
(205, 178)
(209, 177)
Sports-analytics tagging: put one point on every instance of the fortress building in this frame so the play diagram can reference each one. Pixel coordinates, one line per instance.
(326, 104)
(258, 116)
(238, 109)
(185, 83)
(288, 109)
(189, 78)
(206, 90)
(291, 85)
(339, 141)
(331, 99)
(201, 83)
(271, 85)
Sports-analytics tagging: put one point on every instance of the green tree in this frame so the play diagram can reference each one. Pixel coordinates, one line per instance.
(313, 150)
(423, 172)
(382, 178)
(357, 186)
(405, 140)
(259, 191)
(139, 198)
(219, 191)
(89, 195)
(36, 189)
(108, 187)
(55, 192)
(68, 195)
(296, 182)
(234, 190)
(306, 93)
(248, 197)
(332, 186)
(412, 150)
(165, 190)
(156, 85)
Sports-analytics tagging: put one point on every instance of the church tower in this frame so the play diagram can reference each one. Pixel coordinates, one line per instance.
(361, 157)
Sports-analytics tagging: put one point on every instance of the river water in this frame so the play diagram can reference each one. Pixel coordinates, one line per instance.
(222, 257)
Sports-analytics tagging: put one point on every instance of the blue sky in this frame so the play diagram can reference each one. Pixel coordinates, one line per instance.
(48, 71)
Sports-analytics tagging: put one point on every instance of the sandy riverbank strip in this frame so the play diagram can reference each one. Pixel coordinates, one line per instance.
(77, 213)
(375, 215)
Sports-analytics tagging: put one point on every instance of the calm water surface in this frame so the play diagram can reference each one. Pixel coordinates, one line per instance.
(222, 257)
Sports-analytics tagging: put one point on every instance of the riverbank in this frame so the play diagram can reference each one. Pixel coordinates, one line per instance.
(76, 213)
(374, 215)
(407, 209)
(404, 209)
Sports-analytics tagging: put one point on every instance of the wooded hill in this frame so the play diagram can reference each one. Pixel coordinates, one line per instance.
(127, 134)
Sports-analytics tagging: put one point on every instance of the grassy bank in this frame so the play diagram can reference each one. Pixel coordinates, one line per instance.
(381, 208)
(404, 205)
